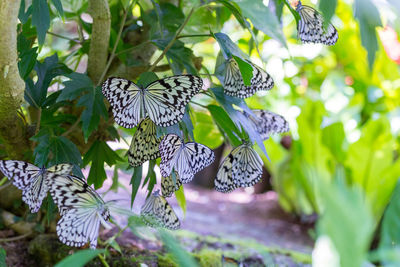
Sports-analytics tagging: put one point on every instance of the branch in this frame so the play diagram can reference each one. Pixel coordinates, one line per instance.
(12, 129)
(99, 42)
(172, 41)
(21, 227)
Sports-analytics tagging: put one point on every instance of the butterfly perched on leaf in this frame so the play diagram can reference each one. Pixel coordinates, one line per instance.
(241, 168)
(163, 101)
(267, 122)
(234, 85)
(81, 209)
(31, 179)
(144, 145)
(310, 28)
(185, 158)
(169, 185)
(156, 212)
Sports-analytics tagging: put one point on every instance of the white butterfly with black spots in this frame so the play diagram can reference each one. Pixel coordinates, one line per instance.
(31, 179)
(234, 85)
(185, 158)
(267, 122)
(144, 145)
(310, 28)
(81, 209)
(241, 168)
(163, 101)
(156, 212)
(169, 185)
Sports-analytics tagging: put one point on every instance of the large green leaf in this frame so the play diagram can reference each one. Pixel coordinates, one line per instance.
(205, 131)
(2, 257)
(334, 138)
(80, 258)
(63, 150)
(368, 17)
(135, 182)
(327, 7)
(181, 256)
(180, 198)
(262, 18)
(27, 56)
(59, 7)
(226, 125)
(40, 18)
(99, 154)
(246, 70)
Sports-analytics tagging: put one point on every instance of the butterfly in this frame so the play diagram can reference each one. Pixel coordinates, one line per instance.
(163, 101)
(241, 168)
(234, 85)
(310, 28)
(169, 186)
(81, 209)
(144, 145)
(31, 179)
(267, 122)
(157, 212)
(185, 158)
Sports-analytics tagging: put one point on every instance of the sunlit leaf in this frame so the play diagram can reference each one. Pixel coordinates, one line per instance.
(40, 18)
(80, 258)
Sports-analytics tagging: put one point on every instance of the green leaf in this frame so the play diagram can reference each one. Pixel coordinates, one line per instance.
(27, 56)
(346, 220)
(180, 198)
(150, 178)
(246, 70)
(327, 8)
(40, 18)
(390, 228)
(368, 17)
(205, 131)
(22, 15)
(225, 124)
(262, 18)
(181, 256)
(94, 108)
(135, 182)
(334, 138)
(78, 84)
(2, 257)
(58, 5)
(146, 78)
(63, 151)
(80, 258)
(228, 47)
(99, 154)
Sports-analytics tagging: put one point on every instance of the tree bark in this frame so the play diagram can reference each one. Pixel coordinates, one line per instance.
(12, 128)
(98, 51)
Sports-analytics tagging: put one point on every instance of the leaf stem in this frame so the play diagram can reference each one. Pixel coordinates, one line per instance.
(103, 260)
(64, 37)
(172, 41)
(121, 27)
(3, 181)
(193, 35)
(38, 121)
(198, 104)
(15, 238)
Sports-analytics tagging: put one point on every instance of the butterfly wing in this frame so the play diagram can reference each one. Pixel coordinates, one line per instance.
(193, 158)
(63, 168)
(233, 81)
(157, 212)
(168, 186)
(311, 27)
(125, 99)
(81, 210)
(224, 181)
(267, 122)
(144, 145)
(165, 100)
(170, 147)
(21, 173)
(246, 166)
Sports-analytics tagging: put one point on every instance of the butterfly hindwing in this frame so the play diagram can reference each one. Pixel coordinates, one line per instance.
(164, 101)
(267, 122)
(20, 172)
(156, 212)
(234, 85)
(169, 186)
(311, 27)
(144, 145)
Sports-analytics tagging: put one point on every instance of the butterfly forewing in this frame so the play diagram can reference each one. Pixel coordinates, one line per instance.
(20, 172)
(224, 180)
(144, 145)
(234, 85)
(157, 212)
(267, 123)
(311, 27)
(170, 147)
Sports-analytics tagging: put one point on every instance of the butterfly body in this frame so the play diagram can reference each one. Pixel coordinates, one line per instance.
(234, 85)
(31, 179)
(311, 28)
(163, 101)
(185, 158)
(241, 168)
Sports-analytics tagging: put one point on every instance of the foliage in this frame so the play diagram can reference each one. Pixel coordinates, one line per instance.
(80, 258)
(341, 102)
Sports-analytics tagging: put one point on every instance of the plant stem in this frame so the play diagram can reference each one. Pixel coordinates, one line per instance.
(15, 238)
(194, 35)
(64, 37)
(3, 181)
(72, 127)
(132, 48)
(172, 41)
(103, 260)
(38, 121)
(116, 43)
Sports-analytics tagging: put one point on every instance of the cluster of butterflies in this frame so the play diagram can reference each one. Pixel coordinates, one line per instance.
(161, 103)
